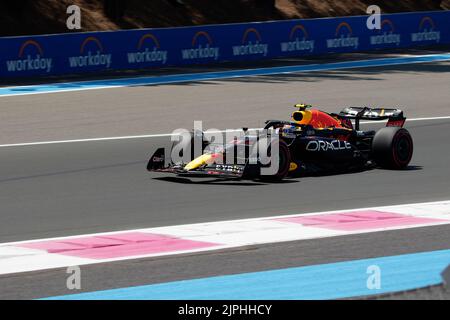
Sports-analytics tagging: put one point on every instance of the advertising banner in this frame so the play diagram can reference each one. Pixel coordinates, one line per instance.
(153, 48)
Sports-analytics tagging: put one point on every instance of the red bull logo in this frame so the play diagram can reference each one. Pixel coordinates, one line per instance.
(427, 31)
(298, 41)
(91, 55)
(251, 44)
(386, 34)
(343, 37)
(202, 48)
(148, 50)
(30, 58)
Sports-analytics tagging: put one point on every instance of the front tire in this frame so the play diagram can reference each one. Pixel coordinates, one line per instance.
(284, 161)
(392, 148)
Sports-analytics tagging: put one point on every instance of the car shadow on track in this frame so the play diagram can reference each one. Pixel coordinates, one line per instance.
(224, 182)
(408, 168)
(296, 179)
(413, 168)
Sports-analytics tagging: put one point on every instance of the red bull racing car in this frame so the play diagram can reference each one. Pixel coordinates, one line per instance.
(312, 142)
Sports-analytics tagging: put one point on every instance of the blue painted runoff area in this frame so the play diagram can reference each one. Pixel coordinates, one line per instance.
(180, 78)
(326, 281)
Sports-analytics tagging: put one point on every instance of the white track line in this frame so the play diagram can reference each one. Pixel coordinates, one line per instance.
(166, 135)
(109, 138)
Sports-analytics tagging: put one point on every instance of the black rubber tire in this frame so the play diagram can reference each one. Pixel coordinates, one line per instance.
(283, 169)
(392, 148)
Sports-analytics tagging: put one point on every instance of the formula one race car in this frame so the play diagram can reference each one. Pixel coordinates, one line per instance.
(314, 142)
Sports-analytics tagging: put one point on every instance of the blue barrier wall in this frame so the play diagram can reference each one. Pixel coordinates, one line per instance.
(150, 48)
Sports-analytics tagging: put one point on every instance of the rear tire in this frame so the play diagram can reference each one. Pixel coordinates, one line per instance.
(392, 148)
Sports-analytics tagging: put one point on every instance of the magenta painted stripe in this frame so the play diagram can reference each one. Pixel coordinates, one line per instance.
(117, 245)
(359, 220)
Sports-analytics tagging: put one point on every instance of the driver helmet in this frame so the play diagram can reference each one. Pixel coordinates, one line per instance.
(288, 131)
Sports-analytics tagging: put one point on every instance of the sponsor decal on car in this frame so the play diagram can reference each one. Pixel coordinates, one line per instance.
(158, 159)
(230, 168)
(322, 145)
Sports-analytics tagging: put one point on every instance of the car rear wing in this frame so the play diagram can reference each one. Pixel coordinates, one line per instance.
(395, 117)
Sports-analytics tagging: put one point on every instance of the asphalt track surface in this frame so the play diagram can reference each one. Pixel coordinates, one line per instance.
(77, 188)
(421, 89)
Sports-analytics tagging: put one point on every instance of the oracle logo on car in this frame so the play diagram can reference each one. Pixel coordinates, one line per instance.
(322, 145)
(30, 58)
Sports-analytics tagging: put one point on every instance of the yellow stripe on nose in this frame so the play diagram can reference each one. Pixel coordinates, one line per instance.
(197, 162)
